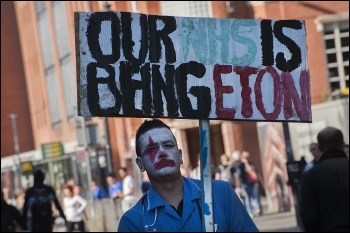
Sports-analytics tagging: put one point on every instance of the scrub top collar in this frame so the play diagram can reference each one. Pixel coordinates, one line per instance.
(191, 193)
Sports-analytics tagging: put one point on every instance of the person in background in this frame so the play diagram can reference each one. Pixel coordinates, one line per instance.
(38, 205)
(316, 153)
(173, 203)
(129, 192)
(302, 164)
(98, 191)
(77, 190)
(10, 217)
(196, 171)
(70, 182)
(74, 206)
(20, 197)
(223, 170)
(236, 182)
(115, 187)
(186, 172)
(9, 197)
(324, 190)
(346, 149)
(145, 184)
(227, 171)
(249, 184)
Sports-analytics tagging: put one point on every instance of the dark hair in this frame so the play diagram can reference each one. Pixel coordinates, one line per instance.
(112, 174)
(39, 176)
(69, 187)
(330, 138)
(313, 143)
(146, 126)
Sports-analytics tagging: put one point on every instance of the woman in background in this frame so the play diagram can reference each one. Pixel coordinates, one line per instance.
(73, 206)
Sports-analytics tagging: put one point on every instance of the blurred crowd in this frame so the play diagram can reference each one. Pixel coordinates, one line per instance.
(236, 169)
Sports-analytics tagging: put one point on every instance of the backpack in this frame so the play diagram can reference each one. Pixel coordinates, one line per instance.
(40, 203)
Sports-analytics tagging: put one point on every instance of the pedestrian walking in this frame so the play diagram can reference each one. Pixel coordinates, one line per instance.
(39, 202)
(249, 184)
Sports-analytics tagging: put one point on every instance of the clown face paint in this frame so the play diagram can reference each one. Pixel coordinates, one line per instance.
(159, 147)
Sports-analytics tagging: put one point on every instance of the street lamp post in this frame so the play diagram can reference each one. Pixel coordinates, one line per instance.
(108, 147)
(87, 156)
(107, 7)
(13, 118)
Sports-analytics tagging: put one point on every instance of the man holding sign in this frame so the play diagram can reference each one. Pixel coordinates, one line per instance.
(173, 202)
(152, 66)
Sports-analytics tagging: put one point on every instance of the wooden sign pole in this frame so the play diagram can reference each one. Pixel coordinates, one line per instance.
(206, 181)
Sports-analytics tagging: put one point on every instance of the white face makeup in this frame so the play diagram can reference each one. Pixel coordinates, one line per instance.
(159, 152)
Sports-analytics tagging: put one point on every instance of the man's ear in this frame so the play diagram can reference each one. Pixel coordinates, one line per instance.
(139, 163)
(180, 154)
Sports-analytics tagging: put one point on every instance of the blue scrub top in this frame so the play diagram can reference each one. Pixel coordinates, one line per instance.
(100, 193)
(117, 186)
(229, 212)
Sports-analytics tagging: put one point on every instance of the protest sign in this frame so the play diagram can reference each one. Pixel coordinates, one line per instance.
(138, 65)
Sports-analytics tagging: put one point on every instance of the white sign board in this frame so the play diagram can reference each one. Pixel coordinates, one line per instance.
(137, 65)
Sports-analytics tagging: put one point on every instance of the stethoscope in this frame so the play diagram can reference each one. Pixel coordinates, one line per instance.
(146, 226)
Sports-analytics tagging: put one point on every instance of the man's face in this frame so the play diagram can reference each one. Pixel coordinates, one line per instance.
(245, 155)
(315, 151)
(159, 153)
(110, 180)
(346, 149)
(122, 173)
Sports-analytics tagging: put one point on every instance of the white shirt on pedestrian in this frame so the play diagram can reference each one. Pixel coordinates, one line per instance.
(74, 207)
(128, 185)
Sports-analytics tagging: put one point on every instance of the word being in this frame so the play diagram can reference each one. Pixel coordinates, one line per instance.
(174, 87)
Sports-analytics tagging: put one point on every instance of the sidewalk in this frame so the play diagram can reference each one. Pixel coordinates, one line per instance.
(277, 222)
(273, 221)
(59, 225)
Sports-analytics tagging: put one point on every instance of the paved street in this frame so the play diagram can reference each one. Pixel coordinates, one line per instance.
(277, 222)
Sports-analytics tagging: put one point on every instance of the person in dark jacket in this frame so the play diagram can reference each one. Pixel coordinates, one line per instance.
(38, 203)
(10, 217)
(324, 191)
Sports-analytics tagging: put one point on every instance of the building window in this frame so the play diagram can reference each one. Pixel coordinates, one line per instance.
(68, 77)
(335, 29)
(49, 68)
(186, 8)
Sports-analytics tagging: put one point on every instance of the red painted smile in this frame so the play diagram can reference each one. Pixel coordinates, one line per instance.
(164, 163)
